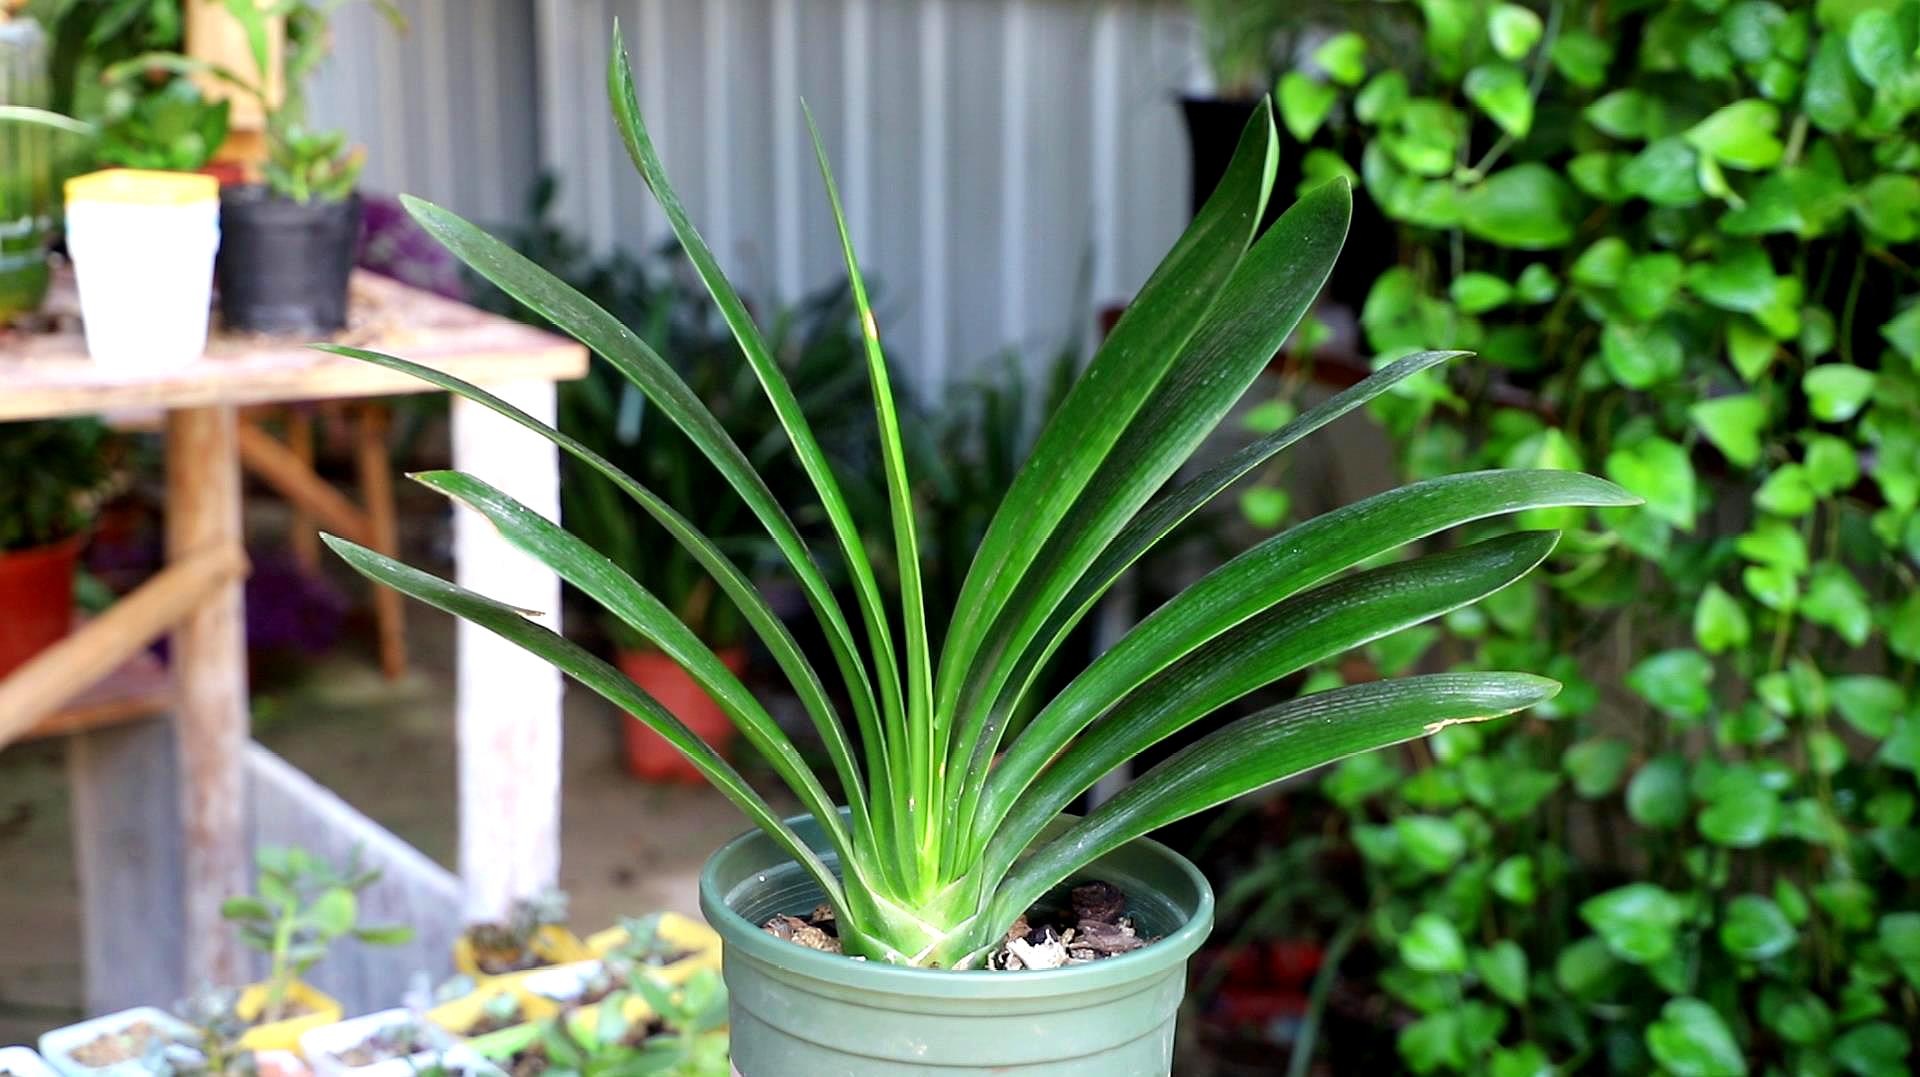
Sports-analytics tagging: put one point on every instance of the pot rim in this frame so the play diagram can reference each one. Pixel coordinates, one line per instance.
(1153, 959)
(58, 548)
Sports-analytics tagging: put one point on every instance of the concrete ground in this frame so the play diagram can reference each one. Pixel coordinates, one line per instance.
(388, 749)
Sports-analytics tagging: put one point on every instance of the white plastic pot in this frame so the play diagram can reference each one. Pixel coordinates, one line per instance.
(58, 1046)
(24, 1062)
(324, 1046)
(143, 246)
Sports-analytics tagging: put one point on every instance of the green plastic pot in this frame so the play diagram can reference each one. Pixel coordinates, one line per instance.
(802, 1013)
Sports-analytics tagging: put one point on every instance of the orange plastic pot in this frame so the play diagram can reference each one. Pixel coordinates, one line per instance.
(648, 755)
(38, 608)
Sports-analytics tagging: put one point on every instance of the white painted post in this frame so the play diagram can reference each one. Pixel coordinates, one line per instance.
(508, 703)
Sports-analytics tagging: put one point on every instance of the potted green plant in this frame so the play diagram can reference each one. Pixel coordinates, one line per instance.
(949, 838)
(51, 473)
(287, 244)
(301, 905)
(648, 1027)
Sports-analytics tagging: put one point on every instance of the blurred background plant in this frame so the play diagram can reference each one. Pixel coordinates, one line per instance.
(1680, 231)
(171, 127)
(53, 474)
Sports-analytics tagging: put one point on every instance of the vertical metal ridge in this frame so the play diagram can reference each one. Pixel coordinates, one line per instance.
(1014, 108)
(933, 180)
(717, 26)
(785, 46)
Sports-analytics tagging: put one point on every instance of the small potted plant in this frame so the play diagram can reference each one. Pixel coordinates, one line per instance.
(51, 474)
(534, 935)
(389, 1043)
(287, 243)
(141, 1042)
(648, 1027)
(1238, 39)
(301, 905)
(952, 845)
(219, 1049)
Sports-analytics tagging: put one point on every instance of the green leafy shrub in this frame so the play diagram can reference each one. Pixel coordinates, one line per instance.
(1680, 233)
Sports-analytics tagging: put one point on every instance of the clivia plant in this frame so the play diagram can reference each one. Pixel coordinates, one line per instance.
(949, 833)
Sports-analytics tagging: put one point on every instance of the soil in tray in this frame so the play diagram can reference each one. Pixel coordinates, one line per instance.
(489, 1021)
(1090, 925)
(397, 1041)
(120, 1045)
(499, 950)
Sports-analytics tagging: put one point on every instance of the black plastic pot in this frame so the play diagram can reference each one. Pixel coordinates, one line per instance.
(1213, 133)
(283, 265)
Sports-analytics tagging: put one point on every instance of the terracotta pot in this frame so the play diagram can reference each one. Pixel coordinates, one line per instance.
(38, 584)
(648, 754)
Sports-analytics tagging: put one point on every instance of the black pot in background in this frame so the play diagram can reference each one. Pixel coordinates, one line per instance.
(283, 265)
(1213, 133)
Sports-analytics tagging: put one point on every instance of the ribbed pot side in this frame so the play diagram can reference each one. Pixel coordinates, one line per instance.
(802, 1013)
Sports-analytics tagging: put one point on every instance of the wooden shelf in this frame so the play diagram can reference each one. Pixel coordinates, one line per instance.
(142, 688)
(45, 375)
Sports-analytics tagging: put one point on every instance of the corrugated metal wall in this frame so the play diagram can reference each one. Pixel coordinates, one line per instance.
(1008, 165)
(449, 110)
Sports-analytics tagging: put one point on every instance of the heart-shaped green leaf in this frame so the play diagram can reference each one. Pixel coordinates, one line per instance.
(1734, 425)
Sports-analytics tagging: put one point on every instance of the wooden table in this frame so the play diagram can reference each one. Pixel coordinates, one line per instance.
(508, 702)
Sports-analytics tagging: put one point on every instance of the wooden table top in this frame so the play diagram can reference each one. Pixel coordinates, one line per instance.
(48, 374)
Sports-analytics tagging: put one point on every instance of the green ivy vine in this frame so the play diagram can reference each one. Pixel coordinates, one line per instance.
(1683, 233)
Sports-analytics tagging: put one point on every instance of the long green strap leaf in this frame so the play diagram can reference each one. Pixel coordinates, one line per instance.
(1168, 511)
(1270, 572)
(592, 325)
(1262, 303)
(1263, 748)
(1116, 384)
(1148, 528)
(600, 579)
(771, 629)
(611, 684)
(919, 681)
(633, 130)
(1285, 639)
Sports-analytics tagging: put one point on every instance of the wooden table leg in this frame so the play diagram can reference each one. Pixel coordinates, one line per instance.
(210, 670)
(508, 701)
(376, 497)
(305, 538)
